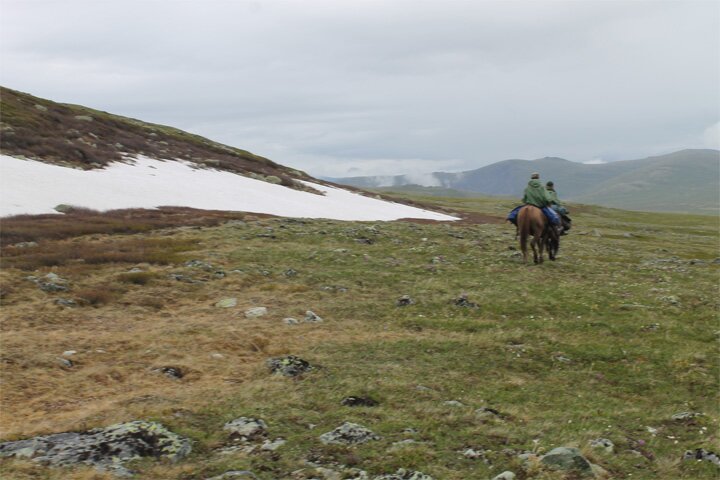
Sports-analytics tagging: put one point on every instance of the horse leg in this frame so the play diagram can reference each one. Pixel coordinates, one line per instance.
(533, 243)
(541, 246)
(523, 245)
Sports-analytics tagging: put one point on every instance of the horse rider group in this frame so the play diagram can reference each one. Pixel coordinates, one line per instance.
(546, 199)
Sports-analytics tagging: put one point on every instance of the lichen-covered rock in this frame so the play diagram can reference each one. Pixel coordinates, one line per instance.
(700, 454)
(565, 458)
(603, 444)
(256, 312)
(506, 475)
(348, 434)
(227, 303)
(312, 317)
(234, 474)
(106, 448)
(682, 416)
(246, 428)
(290, 366)
(403, 474)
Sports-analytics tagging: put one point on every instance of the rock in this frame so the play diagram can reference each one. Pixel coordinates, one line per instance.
(272, 445)
(289, 366)
(462, 301)
(25, 245)
(171, 372)
(328, 474)
(699, 454)
(650, 327)
(487, 412)
(453, 403)
(291, 321)
(312, 317)
(51, 287)
(199, 264)
(403, 474)
(246, 428)
(63, 208)
(348, 434)
(565, 458)
(42, 108)
(217, 356)
(227, 303)
(256, 312)
(359, 402)
(84, 118)
(65, 362)
(404, 301)
(506, 475)
(184, 278)
(686, 416)
(106, 448)
(604, 444)
(473, 454)
(68, 353)
(596, 233)
(65, 302)
(234, 474)
(290, 272)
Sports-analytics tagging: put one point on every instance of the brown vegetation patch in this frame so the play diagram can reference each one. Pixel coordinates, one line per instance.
(80, 221)
(159, 251)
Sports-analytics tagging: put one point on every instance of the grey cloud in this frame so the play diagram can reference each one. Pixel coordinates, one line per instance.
(384, 87)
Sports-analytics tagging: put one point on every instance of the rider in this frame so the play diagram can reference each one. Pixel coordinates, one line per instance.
(557, 205)
(536, 195)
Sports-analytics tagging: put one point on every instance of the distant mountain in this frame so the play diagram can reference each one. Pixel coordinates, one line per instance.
(684, 181)
(59, 155)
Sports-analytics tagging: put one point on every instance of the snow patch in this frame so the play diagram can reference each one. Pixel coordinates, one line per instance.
(33, 187)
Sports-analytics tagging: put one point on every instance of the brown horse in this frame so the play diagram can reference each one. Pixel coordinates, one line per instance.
(531, 221)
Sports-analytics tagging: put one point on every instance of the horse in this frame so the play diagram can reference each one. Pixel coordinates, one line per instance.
(531, 221)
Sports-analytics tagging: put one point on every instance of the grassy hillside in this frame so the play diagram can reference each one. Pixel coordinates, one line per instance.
(78, 136)
(610, 341)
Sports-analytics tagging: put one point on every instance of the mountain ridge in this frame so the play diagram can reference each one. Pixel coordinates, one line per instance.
(686, 180)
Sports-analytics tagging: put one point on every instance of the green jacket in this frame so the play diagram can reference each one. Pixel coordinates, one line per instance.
(535, 194)
(553, 197)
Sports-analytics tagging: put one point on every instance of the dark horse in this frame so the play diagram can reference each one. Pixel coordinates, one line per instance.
(531, 222)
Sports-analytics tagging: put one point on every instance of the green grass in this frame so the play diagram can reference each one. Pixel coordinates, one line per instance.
(562, 350)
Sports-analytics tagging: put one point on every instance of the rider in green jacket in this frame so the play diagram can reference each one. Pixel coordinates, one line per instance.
(535, 194)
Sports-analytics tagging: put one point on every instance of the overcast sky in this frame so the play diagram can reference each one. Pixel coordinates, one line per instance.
(341, 88)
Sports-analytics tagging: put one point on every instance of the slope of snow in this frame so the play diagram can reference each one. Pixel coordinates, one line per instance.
(32, 187)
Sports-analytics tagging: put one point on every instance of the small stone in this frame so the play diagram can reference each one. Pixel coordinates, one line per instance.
(234, 474)
(604, 444)
(562, 359)
(453, 403)
(328, 474)
(84, 118)
(227, 303)
(700, 454)
(217, 356)
(359, 402)
(403, 474)
(506, 475)
(312, 317)
(473, 454)
(289, 366)
(65, 302)
(348, 434)
(68, 353)
(462, 301)
(272, 445)
(246, 428)
(42, 108)
(25, 245)
(404, 301)
(171, 372)
(256, 312)
(291, 321)
(290, 273)
(596, 233)
(487, 412)
(65, 362)
(686, 416)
